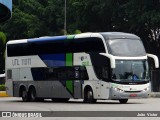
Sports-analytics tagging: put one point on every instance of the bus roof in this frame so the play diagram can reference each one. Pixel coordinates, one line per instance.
(47, 39)
(118, 35)
(106, 35)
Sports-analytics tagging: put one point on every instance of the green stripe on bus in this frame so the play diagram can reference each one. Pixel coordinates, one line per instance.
(69, 37)
(69, 62)
(69, 59)
(69, 85)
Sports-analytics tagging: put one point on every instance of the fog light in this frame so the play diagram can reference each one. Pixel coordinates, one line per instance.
(146, 89)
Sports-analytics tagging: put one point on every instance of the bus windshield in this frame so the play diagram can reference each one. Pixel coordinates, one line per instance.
(131, 71)
(126, 47)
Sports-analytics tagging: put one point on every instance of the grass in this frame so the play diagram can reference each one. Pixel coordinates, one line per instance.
(2, 87)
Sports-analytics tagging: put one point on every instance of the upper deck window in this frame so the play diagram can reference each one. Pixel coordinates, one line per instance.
(124, 44)
(55, 46)
(126, 47)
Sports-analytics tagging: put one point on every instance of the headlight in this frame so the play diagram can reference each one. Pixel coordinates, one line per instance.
(119, 90)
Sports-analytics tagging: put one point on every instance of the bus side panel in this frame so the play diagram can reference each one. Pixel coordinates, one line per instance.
(9, 82)
(83, 59)
(9, 87)
(44, 89)
(63, 92)
(95, 62)
(101, 66)
(18, 84)
(52, 89)
(78, 88)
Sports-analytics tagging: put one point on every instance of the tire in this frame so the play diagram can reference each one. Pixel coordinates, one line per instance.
(60, 99)
(88, 96)
(25, 97)
(32, 95)
(123, 101)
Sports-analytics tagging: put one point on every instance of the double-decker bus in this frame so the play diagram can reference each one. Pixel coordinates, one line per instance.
(89, 66)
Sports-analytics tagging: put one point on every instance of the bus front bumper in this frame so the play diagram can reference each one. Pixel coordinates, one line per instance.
(116, 94)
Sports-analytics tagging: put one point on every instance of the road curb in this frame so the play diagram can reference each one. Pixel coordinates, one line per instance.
(155, 94)
(3, 94)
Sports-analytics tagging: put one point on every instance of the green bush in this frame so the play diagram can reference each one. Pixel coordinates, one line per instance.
(2, 87)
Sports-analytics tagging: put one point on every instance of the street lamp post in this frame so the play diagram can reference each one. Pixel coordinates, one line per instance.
(65, 15)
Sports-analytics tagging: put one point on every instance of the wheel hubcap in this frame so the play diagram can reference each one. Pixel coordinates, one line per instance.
(89, 94)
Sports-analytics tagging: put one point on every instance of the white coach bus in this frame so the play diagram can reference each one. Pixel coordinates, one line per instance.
(89, 66)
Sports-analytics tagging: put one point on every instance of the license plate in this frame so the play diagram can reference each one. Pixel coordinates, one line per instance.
(133, 95)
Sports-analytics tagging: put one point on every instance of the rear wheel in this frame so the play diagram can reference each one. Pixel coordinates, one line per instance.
(123, 101)
(88, 96)
(32, 95)
(25, 97)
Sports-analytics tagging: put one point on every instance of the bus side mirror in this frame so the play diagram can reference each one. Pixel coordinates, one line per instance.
(156, 61)
(112, 59)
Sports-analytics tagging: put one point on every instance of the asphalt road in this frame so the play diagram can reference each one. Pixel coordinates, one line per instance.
(16, 104)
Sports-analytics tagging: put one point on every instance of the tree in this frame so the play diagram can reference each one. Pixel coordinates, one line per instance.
(22, 25)
(46, 18)
(143, 19)
(2, 51)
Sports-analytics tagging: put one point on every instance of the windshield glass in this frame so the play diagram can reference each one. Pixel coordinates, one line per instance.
(126, 47)
(134, 71)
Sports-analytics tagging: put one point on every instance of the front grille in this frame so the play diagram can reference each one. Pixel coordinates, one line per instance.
(132, 91)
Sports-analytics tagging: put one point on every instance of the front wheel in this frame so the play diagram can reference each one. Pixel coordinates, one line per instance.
(88, 96)
(123, 101)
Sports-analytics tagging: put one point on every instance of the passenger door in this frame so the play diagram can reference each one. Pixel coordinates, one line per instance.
(105, 86)
(104, 89)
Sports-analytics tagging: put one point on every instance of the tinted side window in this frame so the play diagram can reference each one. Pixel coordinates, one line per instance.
(56, 46)
(48, 47)
(24, 49)
(18, 49)
(87, 45)
(101, 65)
(60, 73)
